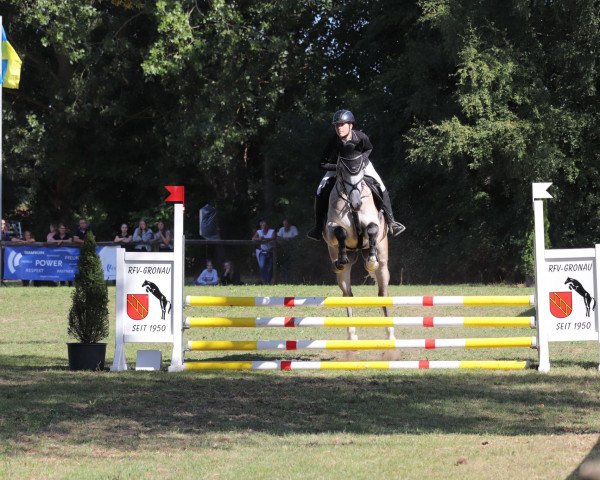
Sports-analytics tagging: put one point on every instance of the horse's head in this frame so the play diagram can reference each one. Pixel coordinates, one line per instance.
(350, 172)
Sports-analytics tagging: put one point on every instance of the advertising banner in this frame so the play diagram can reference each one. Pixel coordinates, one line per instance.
(57, 264)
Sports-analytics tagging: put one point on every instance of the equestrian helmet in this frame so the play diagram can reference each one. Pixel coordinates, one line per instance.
(343, 116)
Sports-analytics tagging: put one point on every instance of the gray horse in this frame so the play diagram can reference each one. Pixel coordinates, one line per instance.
(355, 224)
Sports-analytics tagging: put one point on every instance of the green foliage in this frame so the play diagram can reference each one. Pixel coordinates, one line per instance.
(466, 103)
(88, 316)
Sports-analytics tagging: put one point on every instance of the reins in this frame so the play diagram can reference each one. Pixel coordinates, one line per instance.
(353, 186)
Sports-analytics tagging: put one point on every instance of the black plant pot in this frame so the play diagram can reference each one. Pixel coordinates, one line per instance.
(86, 356)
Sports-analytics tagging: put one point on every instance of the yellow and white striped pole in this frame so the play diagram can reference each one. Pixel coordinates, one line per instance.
(408, 301)
(427, 343)
(365, 365)
(285, 322)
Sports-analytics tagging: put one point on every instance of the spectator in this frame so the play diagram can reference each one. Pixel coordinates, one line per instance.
(27, 238)
(4, 234)
(163, 237)
(81, 231)
(264, 254)
(143, 237)
(209, 276)
(123, 237)
(62, 236)
(230, 275)
(287, 231)
(51, 232)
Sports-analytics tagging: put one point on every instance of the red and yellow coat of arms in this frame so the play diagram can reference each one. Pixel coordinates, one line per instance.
(137, 305)
(561, 304)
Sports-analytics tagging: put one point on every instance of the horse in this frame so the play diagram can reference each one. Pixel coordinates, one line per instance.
(355, 224)
(154, 290)
(587, 298)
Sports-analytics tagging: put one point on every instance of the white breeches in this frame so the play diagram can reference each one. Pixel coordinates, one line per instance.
(370, 171)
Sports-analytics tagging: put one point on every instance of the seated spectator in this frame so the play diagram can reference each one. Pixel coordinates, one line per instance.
(287, 231)
(27, 238)
(81, 231)
(230, 274)
(209, 276)
(163, 238)
(4, 233)
(143, 237)
(123, 237)
(62, 236)
(51, 232)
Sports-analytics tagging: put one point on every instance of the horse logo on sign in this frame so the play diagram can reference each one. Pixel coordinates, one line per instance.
(561, 304)
(137, 305)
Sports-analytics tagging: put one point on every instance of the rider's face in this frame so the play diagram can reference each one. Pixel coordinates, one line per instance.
(343, 129)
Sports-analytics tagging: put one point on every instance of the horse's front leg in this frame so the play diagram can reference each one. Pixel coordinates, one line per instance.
(340, 235)
(372, 262)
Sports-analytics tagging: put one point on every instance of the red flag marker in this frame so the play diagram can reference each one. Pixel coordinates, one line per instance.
(176, 193)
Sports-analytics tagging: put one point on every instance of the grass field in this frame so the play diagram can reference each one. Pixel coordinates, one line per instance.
(452, 424)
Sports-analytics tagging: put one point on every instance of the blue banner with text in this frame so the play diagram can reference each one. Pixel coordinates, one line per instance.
(58, 264)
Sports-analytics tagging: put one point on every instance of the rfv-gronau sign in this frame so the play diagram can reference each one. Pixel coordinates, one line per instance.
(566, 288)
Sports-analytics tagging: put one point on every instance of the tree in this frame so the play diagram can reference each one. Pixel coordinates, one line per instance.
(88, 316)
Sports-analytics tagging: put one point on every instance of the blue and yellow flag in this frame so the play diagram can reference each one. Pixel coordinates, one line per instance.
(11, 64)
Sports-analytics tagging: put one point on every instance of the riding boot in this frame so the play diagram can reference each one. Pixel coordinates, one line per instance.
(321, 207)
(395, 228)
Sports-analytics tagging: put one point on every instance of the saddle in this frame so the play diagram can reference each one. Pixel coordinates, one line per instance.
(375, 190)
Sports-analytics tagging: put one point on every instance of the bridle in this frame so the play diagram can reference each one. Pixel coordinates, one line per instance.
(347, 165)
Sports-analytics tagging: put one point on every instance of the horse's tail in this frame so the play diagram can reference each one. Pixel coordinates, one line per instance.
(594, 300)
(170, 305)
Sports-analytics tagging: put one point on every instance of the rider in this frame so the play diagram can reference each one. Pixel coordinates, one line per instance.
(348, 143)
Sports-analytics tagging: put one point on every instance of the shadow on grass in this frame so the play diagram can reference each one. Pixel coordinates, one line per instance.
(592, 457)
(111, 409)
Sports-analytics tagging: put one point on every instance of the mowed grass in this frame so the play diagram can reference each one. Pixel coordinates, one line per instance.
(302, 424)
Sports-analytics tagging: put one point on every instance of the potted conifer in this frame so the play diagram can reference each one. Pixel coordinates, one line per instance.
(88, 317)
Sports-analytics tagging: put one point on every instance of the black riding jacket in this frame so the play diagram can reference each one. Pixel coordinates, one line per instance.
(358, 145)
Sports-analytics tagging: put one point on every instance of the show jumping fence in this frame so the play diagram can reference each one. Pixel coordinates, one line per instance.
(565, 310)
(231, 303)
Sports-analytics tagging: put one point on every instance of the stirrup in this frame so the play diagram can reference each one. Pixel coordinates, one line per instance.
(396, 228)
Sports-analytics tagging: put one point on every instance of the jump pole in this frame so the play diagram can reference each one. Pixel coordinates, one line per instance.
(366, 365)
(427, 343)
(337, 322)
(405, 301)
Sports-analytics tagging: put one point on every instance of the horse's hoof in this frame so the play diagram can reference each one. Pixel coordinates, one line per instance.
(371, 266)
(337, 267)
